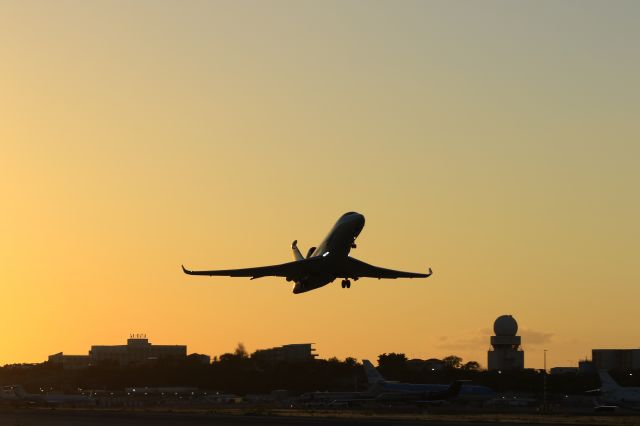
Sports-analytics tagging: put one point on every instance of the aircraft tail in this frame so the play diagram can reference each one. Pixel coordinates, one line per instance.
(608, 384)
(296, 251)
(373, 376)
(454, 389)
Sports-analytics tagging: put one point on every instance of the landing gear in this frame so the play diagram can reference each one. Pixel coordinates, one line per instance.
(346, 284)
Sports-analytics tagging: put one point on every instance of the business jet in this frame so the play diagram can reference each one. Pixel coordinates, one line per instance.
(323, 264)
(612, 393)
(382, 389)
(17, 393)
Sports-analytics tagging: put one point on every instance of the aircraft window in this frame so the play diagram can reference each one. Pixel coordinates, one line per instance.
(348, 214)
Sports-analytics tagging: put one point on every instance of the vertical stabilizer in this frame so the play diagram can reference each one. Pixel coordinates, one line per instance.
(373, 376)
(296, 252)
(608, 384)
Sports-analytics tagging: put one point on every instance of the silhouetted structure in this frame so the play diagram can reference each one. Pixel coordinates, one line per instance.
(137, 350)
(300, 352)
(586, 367)
(70, 362)
(506, 354)
(200, 358)
(616, 359)
(564, 370)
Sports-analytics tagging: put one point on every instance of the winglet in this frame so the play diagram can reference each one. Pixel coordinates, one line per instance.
(429, 273)
(185, 270)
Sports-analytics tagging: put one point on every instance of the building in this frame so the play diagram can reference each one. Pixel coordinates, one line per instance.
(200, 359)
(505, 354)
(301, 352)
(616, 359)
(70, 362)
(586, 367)
(137, 350)
(564, 370)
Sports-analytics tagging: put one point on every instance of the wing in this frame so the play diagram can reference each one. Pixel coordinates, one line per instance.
(298, 268)
(358, 269)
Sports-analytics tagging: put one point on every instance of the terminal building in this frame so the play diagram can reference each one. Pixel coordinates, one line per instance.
(300, 352)
(70, 362)
(138, 350)
(616, 359)
(505, 354)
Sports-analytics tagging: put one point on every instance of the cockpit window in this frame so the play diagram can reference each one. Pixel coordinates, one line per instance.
(348, 214)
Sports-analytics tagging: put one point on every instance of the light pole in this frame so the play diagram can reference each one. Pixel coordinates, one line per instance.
(544, 384)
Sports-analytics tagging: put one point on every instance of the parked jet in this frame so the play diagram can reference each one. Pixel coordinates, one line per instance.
(44, 399)
(323, 264)
(612, 393)
(386, 390)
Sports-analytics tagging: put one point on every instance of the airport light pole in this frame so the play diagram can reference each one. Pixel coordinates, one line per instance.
(544, 384)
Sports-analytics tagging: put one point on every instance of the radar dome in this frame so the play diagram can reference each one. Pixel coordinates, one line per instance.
(505, 325)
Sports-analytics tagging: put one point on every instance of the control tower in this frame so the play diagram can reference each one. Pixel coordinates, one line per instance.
(506, 354)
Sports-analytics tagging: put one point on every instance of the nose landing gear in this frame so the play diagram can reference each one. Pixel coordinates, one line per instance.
(346, 284)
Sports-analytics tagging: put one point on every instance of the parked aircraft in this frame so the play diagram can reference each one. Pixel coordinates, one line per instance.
(45, 398)
(388, 390)
(323, 264)
(385, 391)
(612, 393)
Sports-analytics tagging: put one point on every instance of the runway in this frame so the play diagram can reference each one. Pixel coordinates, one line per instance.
(57, 417)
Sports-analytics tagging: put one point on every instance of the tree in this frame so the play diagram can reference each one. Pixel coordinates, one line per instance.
(392, 360)
(393, 366)
(471, 366)
(452, 362)
(350, 361)
(240, 351)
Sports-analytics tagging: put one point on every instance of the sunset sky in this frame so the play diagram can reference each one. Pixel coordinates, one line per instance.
(497, 142)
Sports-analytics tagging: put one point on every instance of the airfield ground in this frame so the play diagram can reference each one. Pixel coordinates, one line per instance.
(100, 417)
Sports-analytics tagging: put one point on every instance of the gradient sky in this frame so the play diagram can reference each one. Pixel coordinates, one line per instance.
(495, 141)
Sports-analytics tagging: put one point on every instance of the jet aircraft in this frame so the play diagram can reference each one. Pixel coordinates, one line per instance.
(612, 393)
(16, 393)
(323, 264)
(383, 389)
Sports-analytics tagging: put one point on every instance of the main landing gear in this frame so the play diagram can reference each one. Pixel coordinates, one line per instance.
(346, 284)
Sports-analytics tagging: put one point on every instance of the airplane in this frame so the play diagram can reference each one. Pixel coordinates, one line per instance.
(425, 392)
(383, 391)
(612, 393)
(323, 264)
(20, 394)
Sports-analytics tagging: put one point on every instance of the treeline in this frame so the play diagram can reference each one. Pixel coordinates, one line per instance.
(241, 373)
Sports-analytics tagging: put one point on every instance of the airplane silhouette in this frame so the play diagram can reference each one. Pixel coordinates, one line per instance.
(323, 264)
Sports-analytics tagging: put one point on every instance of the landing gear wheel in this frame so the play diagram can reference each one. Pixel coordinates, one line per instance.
(346, 284)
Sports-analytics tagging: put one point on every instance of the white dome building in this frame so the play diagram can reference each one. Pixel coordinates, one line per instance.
(506, 354)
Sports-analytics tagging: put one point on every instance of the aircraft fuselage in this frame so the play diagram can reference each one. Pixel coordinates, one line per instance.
(334, 249)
